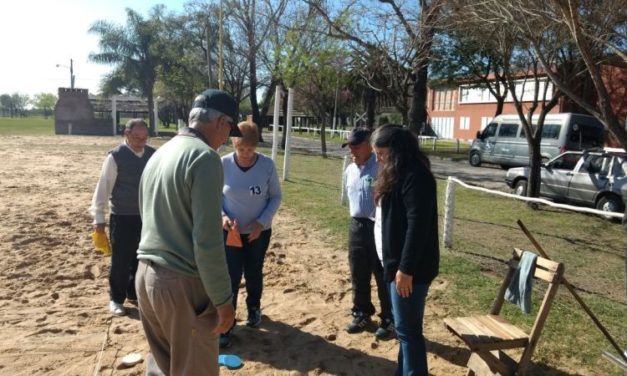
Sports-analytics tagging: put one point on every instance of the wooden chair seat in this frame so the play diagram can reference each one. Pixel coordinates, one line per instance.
(489, 332)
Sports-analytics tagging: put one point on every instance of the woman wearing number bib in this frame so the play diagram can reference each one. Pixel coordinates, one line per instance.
(252, 196)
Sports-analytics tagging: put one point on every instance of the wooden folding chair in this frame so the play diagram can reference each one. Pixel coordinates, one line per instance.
(488, 335)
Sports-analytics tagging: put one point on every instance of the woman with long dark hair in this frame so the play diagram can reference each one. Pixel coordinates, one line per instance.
(406, 233)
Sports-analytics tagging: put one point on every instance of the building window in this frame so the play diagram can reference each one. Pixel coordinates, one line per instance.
(442, 100)
(525, 91)
(443, 126)
(464, 123)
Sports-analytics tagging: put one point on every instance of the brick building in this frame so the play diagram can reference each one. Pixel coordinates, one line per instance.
(460, 110)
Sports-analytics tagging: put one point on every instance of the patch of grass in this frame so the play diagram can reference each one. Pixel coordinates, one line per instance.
(313, 190)
(484, 234)
(28, 126)
(336, 139)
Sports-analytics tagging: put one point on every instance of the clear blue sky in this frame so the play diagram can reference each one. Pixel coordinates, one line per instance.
(36, 35)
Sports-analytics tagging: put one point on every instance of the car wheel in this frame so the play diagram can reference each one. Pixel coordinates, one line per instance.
(520, 189)
(610, 203)
(475, 159)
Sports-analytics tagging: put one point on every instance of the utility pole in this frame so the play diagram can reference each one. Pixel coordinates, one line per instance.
(209, 56)
(72, 74)
(221, 52)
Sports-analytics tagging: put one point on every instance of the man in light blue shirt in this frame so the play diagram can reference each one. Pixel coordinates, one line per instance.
(359, 179)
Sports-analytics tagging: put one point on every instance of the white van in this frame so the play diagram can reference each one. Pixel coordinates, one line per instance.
(503, 141)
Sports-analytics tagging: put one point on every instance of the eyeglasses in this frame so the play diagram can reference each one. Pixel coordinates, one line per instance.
(138, 138)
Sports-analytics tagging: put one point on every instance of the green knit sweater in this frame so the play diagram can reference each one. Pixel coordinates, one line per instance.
(180, 200)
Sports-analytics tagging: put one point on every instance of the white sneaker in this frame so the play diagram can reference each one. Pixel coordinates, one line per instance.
(117, 308)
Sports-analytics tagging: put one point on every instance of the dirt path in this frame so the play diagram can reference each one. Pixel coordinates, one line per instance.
(53, 286)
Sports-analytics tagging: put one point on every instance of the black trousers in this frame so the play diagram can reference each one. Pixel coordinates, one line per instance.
(364, 262)
(125, 232)
(248, 260)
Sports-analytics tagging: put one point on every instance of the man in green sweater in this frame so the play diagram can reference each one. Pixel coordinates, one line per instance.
(183, 286)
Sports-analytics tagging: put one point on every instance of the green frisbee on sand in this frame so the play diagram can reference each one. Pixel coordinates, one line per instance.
(229, 361)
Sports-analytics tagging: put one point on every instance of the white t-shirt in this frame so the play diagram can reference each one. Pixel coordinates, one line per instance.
(378, 233)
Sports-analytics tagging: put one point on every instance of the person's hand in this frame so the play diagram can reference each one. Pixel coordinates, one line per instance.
(228, 224)
(226, 316)
(255, 230)
(404, 286)
(99, 227)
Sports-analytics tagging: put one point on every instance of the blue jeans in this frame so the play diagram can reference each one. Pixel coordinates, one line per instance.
(408, 315)
(248, 261)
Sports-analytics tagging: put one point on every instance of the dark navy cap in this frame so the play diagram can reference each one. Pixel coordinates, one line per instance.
(220, 101)
(357, 136)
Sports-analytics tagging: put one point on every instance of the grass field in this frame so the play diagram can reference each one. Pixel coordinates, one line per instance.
(485, 231)
(26, 126)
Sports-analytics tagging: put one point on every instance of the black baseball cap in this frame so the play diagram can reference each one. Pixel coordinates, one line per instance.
(357, 136)
(220, 101)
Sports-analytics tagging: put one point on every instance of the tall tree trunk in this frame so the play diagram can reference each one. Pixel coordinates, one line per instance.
(535, 161)
(323, 139)
(418, 110)
(254, 105)
(151, 112)
(371, 102)
(263, 115)
(500, 102)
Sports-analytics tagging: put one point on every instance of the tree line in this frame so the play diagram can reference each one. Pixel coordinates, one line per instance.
(350, 56)
(21, 105)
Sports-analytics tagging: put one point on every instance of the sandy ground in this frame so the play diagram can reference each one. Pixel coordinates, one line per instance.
(53, 286)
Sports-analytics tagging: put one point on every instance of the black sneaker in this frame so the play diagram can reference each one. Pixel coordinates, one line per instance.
(254, 317)
(385, 329)
(359, 323)
(225, 340)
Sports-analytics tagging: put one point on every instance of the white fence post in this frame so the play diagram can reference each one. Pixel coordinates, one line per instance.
(343, 191)
(156, 115)
(180, 124)
(288, 131)
(113, 115)
(275, 123)
(449, 211)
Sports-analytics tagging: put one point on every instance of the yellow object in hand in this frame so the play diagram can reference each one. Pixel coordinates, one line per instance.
(101, 242)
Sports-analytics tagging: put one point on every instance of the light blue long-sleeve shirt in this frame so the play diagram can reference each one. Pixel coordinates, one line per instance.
(359, 186)
(253, 195)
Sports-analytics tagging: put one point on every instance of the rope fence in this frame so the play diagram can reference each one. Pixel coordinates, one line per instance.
(449, 206)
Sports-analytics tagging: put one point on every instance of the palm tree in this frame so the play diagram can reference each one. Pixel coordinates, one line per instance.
(135, 51)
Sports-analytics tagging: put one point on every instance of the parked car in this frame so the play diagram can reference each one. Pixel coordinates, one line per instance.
(591, 178)
(503, 141)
